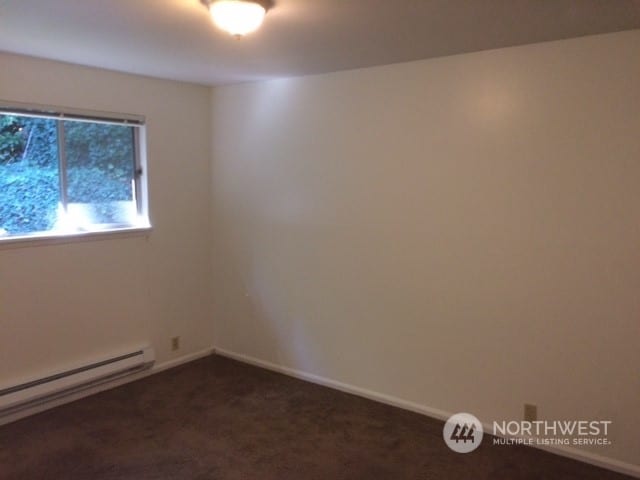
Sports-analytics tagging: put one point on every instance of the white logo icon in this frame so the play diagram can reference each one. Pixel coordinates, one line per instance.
(462, 433)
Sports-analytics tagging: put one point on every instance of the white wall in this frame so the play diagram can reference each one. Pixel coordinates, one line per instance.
(61, 304)
(461, 232)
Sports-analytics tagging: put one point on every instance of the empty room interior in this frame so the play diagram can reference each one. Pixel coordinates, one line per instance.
(319, 239)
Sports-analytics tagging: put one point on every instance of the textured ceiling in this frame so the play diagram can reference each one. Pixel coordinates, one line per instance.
(176, 39)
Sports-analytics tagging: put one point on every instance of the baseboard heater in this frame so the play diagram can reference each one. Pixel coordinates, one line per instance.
(51, 387)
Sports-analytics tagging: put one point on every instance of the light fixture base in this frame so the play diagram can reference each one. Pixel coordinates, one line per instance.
(266, 4)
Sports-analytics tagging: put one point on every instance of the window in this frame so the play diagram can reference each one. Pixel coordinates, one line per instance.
(68, 172)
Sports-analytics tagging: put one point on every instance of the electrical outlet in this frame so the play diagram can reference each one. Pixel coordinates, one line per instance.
(530, 412)
(175, 343)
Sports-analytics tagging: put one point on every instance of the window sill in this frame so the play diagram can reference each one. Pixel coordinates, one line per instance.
(50, 238)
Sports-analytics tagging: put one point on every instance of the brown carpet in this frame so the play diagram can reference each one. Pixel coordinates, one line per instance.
(219, 419)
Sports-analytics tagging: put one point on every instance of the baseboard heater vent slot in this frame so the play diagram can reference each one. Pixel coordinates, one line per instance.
(50, 387)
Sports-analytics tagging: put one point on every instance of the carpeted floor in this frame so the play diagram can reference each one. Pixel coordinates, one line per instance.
(218, 419)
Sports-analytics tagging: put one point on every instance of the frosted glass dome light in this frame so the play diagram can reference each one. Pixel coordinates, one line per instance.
(238, 17)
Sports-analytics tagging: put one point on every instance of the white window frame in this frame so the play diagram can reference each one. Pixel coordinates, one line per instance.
(138, 122)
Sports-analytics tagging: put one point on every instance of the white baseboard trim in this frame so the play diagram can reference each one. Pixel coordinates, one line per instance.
(564, 451)
(157, 368)
(181, 360)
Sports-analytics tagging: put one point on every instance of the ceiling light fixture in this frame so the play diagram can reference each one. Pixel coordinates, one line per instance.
(238, 17)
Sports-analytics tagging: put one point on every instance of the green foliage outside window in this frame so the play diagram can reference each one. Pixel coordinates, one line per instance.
(100, 163)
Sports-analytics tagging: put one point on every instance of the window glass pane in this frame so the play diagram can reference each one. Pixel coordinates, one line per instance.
(100, 161)
(29, 182)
